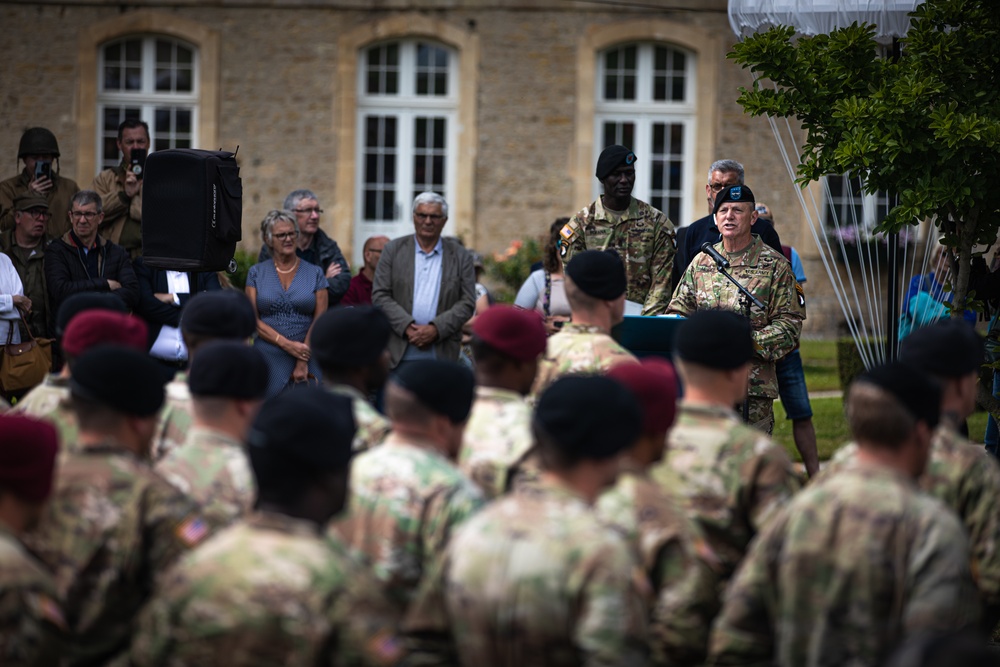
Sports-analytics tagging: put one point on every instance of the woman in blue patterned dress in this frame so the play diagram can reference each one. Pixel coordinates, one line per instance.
(288, 295)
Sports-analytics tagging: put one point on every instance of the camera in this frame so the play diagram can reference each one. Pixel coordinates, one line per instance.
(138, 161)
(43, 169)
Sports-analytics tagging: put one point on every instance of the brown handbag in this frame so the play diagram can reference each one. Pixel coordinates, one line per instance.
(24, 365)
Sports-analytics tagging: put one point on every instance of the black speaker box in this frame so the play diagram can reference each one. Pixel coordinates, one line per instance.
(192, 209)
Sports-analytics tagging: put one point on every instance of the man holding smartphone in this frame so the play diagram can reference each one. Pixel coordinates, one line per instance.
(39, 178)
(121, 188)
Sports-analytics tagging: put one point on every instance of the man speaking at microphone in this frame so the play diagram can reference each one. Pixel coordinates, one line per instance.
(766, 274)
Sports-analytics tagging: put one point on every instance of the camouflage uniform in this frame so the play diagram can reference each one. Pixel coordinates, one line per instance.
(175, 418)
(31, 621)
(680, 565)
(373, 427)
(111, 526)
(643, 237)
(967, 480)
(534, 579)
(405, 501)
(50, 401)
(497, 439)
(268, 591)
(212, 469)
(578, 348)
(857, 563)
(730, 477)
(768, 276)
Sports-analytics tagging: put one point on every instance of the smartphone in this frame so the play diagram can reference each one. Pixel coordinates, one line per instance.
(43, 169)
(138, 161)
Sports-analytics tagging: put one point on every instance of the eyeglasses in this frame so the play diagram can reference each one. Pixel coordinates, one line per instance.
(428, 216)
(718, 187)
(308, 211)
(38, 213)
(87, 215)
(285, 235)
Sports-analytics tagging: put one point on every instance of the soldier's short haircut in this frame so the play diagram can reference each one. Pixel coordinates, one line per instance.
(93, 416)
(577, 299)
(727, 167)
(402, 406)
(552, 456)
(876, 418)
(85, 197)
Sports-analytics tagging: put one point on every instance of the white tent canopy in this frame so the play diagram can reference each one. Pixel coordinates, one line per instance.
(816, 17)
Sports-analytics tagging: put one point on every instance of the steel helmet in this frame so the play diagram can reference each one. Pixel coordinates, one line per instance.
(38, 141)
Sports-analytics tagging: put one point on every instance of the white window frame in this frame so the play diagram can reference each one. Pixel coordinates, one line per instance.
(406, 106)
(147, 99)
(644, 112)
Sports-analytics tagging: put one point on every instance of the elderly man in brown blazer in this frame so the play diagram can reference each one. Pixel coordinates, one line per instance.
(426, 285)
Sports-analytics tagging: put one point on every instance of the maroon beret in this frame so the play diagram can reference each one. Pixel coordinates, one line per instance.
(518, 333)
(654, 383)
(97, 327)
(28, 449)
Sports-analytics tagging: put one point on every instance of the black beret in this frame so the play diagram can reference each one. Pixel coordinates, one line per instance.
(224, 313)
(611, 158)
(229, 369)
(598, 273)
(948, 349)
(592, 416)
(735, 193)
(76, 304)
(719, 339)
(123, 379)
(303, 428)
(445, 387)
(919, 393)
(349, 336)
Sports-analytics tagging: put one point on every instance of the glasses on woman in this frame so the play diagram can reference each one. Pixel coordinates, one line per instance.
(285, 235)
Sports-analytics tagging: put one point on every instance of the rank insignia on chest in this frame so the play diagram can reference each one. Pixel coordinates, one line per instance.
(756, 273)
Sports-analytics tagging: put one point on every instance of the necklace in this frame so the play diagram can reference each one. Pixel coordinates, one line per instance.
(294, 266)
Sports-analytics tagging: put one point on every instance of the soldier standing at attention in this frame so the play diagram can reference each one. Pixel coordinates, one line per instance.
(668, 545)
(113, 524)
(228, 382)
(406, 494)
(861, 560)
(507, 343)
(351, 347)
(595, 289)
(535, 578)
(31, 620)
(275, 588)
(731, 478)
(640, 234)
(767, 275)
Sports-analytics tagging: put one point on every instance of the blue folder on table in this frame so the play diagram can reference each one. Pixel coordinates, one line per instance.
(648, 336)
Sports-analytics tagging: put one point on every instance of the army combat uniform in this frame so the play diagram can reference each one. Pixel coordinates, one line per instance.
(731, 478)
(373, 427)
(768, 276)
(267, 591)
(111, 526)
(212, 469)
(681, 567)
(497, 439)
(579, 348)
(643, 238)
(855, 564)
(405, 501)
(50, 401)
(533, 579)
(175, 418)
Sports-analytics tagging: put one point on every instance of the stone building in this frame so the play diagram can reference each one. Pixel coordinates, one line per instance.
(503, 105)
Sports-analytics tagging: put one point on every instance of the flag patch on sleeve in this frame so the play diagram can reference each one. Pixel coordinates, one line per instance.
(192, 530)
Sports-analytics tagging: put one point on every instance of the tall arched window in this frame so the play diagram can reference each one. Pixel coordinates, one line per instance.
(646, 100)
(151, 77)
(407, 131)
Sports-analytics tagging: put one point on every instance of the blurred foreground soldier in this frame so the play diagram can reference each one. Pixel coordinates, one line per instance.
(208, 316)
(535, 578)
(669, 547)
(861, 560)
(31, 620)
(595, 289)
(639, 233)
(507, 343)
(40, 177)
(731, 477)
(112, 524)
(407, 495)
(93, 327)
(350, 346)
(274, 589)
(228, 382)
(959, 474)
(767, 275)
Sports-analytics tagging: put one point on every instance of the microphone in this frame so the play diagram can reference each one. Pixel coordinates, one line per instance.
(707, 248)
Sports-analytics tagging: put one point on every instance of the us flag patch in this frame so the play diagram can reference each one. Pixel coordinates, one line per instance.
(192, 530)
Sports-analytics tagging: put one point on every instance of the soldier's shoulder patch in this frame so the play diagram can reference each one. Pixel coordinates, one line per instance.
(567, 235)
(801, 293)
(191, 531)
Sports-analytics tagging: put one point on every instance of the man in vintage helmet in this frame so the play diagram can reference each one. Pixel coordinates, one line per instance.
(40, 177)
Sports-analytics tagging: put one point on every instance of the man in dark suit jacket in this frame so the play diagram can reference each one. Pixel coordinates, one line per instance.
(426, 286)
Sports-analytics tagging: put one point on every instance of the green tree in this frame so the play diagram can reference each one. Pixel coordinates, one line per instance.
(924, 126)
